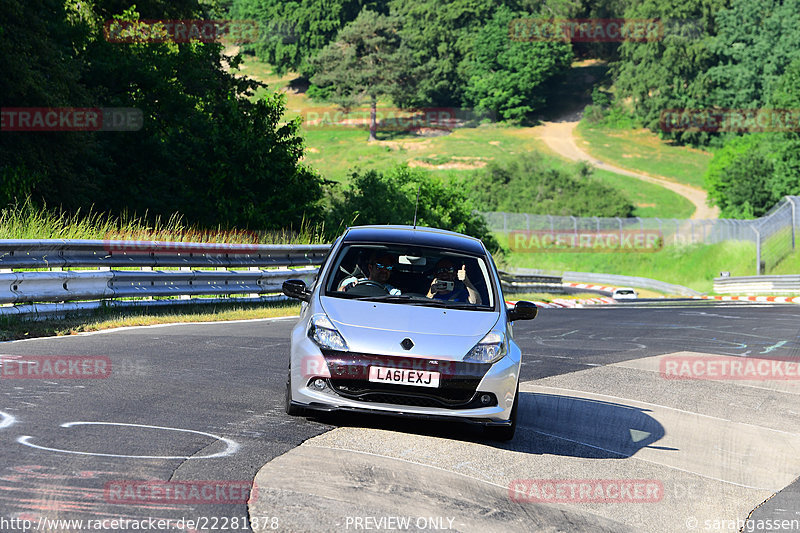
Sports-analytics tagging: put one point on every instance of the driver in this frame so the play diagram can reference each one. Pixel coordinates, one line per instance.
(462, 289)
(379, 270)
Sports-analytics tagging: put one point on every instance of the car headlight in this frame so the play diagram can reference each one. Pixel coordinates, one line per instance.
(490, 349)
(322, 331)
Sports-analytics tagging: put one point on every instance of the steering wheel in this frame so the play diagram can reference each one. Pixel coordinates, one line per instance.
(367, 287)
(370, 283)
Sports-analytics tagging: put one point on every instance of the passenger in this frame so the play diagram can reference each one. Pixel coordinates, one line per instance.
(463, 290)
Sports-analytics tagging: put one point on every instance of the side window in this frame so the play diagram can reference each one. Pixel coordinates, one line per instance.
(322, 265)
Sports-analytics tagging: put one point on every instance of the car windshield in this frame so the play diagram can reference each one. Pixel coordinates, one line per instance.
(411, 275)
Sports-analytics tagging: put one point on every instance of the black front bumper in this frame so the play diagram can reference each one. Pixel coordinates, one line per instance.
(458, 381)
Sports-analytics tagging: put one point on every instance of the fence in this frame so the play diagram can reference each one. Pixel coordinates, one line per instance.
(774, 234)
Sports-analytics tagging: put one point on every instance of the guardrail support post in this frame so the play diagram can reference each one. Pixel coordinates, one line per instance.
(794, 217)
(758, 252)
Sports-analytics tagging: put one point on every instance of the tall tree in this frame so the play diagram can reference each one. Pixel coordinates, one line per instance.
(668, 73)
(363, 63)
(755, 43)
(293, 31)
(204, 150)
(439, 35)
(506, 75)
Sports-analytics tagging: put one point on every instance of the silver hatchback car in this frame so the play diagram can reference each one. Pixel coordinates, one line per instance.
(407, 321)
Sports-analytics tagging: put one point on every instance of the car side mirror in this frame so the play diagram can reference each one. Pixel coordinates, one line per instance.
(523, 310)
(296, 288)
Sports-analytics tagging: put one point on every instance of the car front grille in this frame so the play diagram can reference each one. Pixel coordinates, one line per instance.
(458, 381)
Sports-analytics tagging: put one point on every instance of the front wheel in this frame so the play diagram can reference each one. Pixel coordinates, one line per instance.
(291, 410)
(505, 433)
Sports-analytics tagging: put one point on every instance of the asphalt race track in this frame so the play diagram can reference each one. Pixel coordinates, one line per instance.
(203, 404)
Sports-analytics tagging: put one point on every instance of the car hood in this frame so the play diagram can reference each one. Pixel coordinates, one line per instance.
(379, 328)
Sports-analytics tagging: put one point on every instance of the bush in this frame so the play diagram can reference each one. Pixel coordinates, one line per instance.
(738, 176)
(529, 185)
(373, 197)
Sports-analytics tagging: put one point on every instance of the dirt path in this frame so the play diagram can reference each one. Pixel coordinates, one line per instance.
(559, 136)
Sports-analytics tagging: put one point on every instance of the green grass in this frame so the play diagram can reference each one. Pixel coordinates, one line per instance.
(693, 266)
(641, 150)
(334, 150)
(649, 200)
(788, 265)
(28, 221)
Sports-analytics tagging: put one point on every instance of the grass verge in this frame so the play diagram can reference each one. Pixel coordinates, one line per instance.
(334, 149)
(693, 266)
(641, 150)
(18, 327)
(29, 221)
(788, 265)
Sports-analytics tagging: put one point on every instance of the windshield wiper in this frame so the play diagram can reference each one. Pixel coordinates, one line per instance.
(387, 298)
(419, 300)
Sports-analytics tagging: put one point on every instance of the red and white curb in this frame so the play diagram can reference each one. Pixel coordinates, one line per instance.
(559, 303)
(603, 288)
(776, 299)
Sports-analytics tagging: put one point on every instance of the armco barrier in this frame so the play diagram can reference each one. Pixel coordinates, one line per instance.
(570, 279)
(27, 287)
(198, 269)
(72, 253)
(748, 285)
(630, 281)
(521, 282)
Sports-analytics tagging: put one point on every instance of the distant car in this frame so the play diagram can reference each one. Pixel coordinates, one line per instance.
(407, 321)
(624, 293)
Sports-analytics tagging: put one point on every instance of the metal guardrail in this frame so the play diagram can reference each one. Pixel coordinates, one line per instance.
(534, 279)
(266, 267)
(748, 285)
(61, 253)
(26, 287)
(630, 281)
(198, 272)
(522, 282)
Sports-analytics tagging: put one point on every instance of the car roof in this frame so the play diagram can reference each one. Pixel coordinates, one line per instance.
(418, 235)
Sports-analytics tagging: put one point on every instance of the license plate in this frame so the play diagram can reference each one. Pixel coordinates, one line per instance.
(403, 376)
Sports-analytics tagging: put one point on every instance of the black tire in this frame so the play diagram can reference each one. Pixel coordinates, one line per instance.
(291, 410)
(505, 433)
